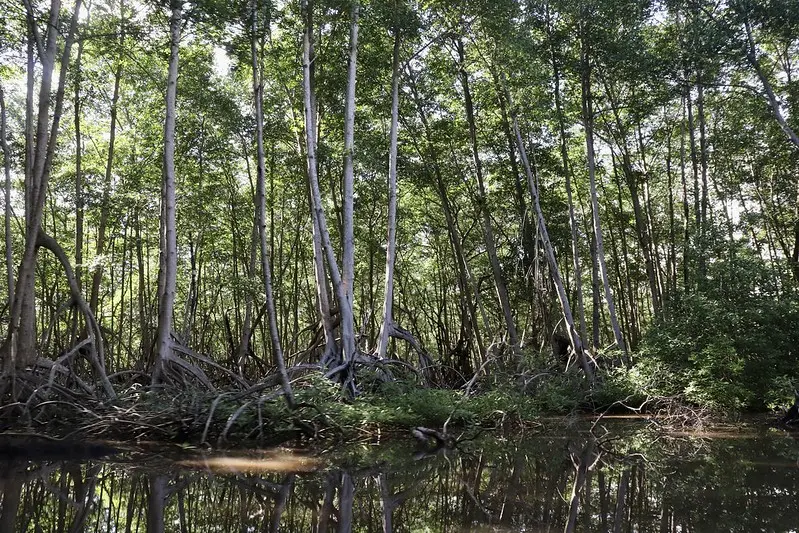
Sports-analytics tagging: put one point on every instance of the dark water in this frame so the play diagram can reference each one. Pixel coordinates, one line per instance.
(558, 478)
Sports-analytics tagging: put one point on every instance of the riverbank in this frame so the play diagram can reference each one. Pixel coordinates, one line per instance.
(259, 415)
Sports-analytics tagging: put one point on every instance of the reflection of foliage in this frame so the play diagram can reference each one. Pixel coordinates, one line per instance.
(729, 482)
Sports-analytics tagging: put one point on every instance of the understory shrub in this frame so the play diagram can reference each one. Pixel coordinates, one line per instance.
(733, 345)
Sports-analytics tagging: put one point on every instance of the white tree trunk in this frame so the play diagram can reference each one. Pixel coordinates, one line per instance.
(588, 122)
(348, 344)
(168, 212)
(277, 348)
(391, 246)
(574, 336)
(20, 343)
(318, 216)
(7, 200)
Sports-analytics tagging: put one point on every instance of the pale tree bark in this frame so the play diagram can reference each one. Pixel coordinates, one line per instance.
(19, 348)
(169, 255)
(277, 347)
(78, 170)
(318, 216)
(79, 205)
(564, 154)
(7, 199)
(391, 244)
(700, 115)
(588, 123)
(774, 104)
(751, 56)
(631, 177)
(488, 232)
(246, 327)
(330, 354)
(388, 327)
(574, 336)
(322, 290)
(348, 344)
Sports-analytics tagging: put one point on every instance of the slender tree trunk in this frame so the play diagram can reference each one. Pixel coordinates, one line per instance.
(391, 246)
(751, 56)
(671, 278)
(527, 227)
(20, 345)
(348, 253)
(7, 199)
(564, 154)
(694, 163)
(488, 232)
(596, 319)
(144, 327)
(78, 171)
(105, 206)
(246, 327)
(277, 348)
(703, 244)
(621, 502)
(471, 295)
(641, 223)
(318, 213)
(169, 262)
(574, 337)
(588, 121)
(156, 499)
(584, 463)
(686, 242)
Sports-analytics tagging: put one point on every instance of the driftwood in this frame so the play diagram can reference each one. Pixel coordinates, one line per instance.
(427, 436)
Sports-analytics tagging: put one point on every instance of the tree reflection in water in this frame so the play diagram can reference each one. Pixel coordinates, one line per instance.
(725, 482)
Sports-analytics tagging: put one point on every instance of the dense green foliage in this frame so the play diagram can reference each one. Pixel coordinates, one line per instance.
(694, 108)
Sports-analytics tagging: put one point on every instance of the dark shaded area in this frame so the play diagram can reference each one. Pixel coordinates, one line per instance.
(732, 480)
(31, 447)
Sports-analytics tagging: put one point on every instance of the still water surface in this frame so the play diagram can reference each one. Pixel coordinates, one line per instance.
(622, 478)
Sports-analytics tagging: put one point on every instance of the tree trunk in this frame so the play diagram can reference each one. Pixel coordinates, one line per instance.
(470, 294)
(774, 104)
(318, 213)
(641, 224)
(7, 200)
(20, 342)
(277, 348)
(348, 344)
(564, 154)
(169, 262)
(105, 206)
(488, 232)
(527, 227)
(588, 121)
(78, 171)
(686, 237)
(703, 206)
(391, 246)
(574, 337)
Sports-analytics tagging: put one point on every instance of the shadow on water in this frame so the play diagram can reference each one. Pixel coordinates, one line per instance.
(563, 479)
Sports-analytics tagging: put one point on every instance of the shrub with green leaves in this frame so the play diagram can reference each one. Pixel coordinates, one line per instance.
(734, 345)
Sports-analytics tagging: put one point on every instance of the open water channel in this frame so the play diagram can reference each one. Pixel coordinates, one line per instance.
(622, 477)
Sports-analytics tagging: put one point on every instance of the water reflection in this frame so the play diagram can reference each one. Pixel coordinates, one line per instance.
(629, 480)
